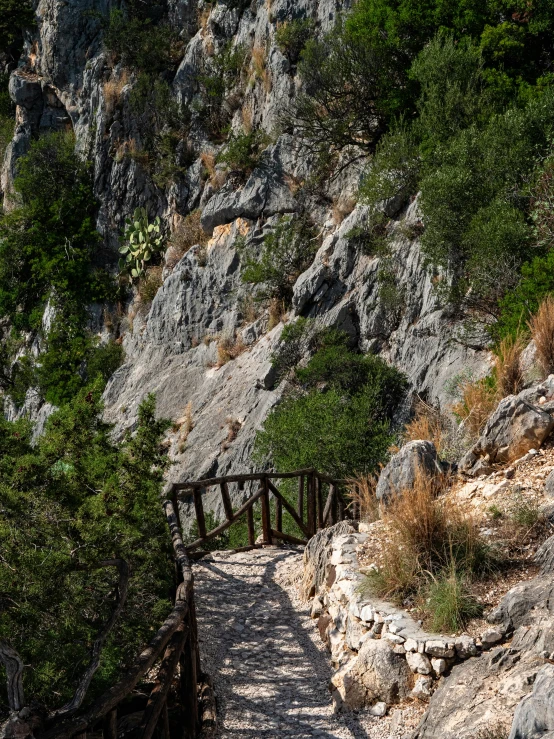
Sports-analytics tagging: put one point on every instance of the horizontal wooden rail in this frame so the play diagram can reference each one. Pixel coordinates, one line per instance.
(211, 481)
(312, 513)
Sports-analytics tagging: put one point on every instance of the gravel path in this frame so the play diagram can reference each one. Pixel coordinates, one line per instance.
(263, 651)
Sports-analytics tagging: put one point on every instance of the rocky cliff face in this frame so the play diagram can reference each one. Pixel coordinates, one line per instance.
(64, 80)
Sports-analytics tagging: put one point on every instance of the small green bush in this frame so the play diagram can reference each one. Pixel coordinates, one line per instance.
(140, 43)
(338, 418)
(142, 241)
(286, 253)
(243, 151)
(220, 75)
(450, 602)
(15, 17)
(292, 36)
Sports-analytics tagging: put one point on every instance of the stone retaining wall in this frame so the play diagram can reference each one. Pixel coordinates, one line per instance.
(380, 653)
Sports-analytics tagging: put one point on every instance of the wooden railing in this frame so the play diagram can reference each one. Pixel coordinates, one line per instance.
(320, 502)
(173, 651)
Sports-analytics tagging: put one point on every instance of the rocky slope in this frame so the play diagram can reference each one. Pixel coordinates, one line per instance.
(64, 79)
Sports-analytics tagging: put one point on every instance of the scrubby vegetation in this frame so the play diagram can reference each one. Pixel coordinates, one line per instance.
(432, 553)
(48, 257)
(80, 516)
(286, 252)
(455, 101)
(337, 415)
(15, 17)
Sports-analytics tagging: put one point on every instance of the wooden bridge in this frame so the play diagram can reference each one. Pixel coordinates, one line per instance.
(181, 703)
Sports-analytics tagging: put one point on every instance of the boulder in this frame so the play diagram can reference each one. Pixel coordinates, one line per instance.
(534, 716)
(378, 674)
(400, 472)
(549, 485)
(25, 89)
(515, 427)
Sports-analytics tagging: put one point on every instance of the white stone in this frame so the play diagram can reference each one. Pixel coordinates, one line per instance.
(465, 646)
(410, 645)
(393, 638)
(491, 636)
(438, 648)
(423, 689)
(439, 665)
(378, 709)
(317, 607)
(418, 663)
(367, 614)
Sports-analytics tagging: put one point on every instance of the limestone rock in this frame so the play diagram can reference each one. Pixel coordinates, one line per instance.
(378, 674)
(549, 484)
(534, 716)
(423, 688)
(514, 428)
(400, 472)
(465, 646)
(418, 663)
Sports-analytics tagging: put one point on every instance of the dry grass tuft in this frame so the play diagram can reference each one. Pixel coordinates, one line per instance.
(113, 89)
(427, 424)
(342, 208)
(542, 332)
(215, 176)
(229, 348)
(185, 426)
(478, 400)
(150, 284)
(277, 313)
(361, 491)
(233, 428)
(507, 366)
(429, 535)
(187, 233)
(259, 67)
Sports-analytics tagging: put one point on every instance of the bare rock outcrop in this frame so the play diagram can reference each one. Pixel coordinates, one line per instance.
(400, 473)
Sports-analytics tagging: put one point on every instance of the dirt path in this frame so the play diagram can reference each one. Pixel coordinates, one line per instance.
(264, 654)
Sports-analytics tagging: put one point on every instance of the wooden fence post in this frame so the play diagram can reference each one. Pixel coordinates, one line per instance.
(227, 505)
(319, 492)
(301, 497)
(266, 514)
(251, 529)
(199, 508)
(311, 504)
(278, 515)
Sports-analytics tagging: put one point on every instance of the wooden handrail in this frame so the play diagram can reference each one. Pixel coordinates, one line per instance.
(211, 481)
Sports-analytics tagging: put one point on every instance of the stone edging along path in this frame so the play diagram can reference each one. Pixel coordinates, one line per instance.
(407, 662)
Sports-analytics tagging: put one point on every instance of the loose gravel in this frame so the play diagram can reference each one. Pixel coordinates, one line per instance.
(263, 652)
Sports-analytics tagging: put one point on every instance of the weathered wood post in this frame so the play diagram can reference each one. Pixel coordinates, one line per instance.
(199, 508)
(319, 494)
(301, 497)
(266, 513)
(251, 529)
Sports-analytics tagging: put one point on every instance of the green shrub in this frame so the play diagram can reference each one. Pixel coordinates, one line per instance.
(15, 17)
(339, 418)
(286, 252)
(221, 73)
(47, 255)
(292, 36)
(243, 151)
(140, 43)
(450, 601)
(68, 503)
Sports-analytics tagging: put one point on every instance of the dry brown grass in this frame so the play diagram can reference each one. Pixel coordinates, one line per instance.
(478, 400)
(342, 208)
(250, 310)
(507, 366)
(233, 428)
(188, 233)
(229, 348)
(361, 491)
(150, 283)
(204, 17)
(277, 313)
(427, 533)
(216, 177)
(427, 424)
(184, 425)
(259, 68)
(246, 114)
(113, 89)
(542, 332)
